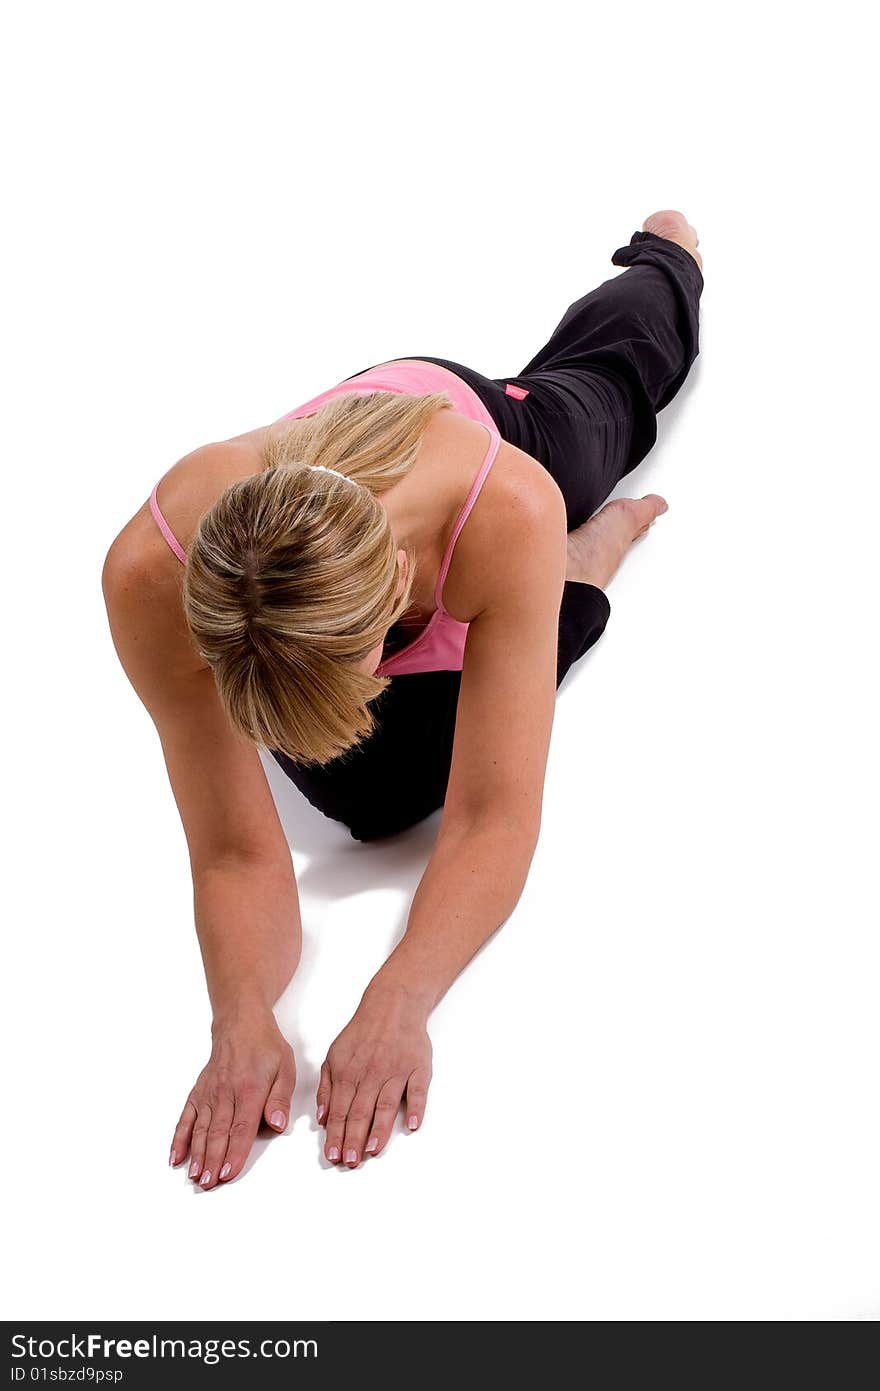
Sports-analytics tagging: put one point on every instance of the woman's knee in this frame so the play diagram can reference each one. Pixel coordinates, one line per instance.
(379, 825)
(371, 808)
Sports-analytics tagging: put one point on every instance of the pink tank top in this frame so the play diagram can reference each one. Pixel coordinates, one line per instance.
(440, 645)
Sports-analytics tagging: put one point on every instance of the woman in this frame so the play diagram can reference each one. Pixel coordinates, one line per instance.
(307, 588)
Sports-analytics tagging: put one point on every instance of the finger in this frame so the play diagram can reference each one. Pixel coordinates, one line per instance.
(416, 1097)
(217, 1140)
(243, 1131)
(360, 1118)
(341, 1097)
(199, 1140)
(183, 1134)
(387, 1107)
(322, 1098)
(277, 1108)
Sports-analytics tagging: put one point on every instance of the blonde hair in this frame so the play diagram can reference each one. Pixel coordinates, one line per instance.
(292, 575)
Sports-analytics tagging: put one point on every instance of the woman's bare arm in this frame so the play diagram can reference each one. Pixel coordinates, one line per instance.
(245, 896)
(487, 837)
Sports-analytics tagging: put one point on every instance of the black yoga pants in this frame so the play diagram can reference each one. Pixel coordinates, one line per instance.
(617, 356)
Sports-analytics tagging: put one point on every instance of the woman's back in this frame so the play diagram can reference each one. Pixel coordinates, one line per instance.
(435, 640)
(459, 451)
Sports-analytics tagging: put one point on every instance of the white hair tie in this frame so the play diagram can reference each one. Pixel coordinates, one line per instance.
(322, 468)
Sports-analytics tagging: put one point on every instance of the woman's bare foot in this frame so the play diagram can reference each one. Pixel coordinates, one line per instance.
(596, 549)
(675, 227)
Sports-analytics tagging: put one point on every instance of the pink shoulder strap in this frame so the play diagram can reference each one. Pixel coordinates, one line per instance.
(164, 527)
(494, 442)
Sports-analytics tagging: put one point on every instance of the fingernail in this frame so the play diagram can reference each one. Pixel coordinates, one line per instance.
(373, 1145)
(194, 1169)
(413, 1122)
(225, 1170)
(277, 1119)
(321, 1109)
(351, 1156)
(172, 1158)
(333, 1155)
(206, 1178)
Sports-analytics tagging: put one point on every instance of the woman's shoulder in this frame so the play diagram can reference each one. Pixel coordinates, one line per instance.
(519, 506)
(525, 485)
(514, 475)
(184, 492)
(523, 506)
(142, 576)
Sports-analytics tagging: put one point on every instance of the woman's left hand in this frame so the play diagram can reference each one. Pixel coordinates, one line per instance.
(383, 1054)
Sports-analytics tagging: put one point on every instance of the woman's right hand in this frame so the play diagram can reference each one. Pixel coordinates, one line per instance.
(249, 1077)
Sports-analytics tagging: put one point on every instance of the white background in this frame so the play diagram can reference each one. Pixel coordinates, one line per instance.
(655, 1091)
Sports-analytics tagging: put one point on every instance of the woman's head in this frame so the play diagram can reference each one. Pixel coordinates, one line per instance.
(294, 576)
